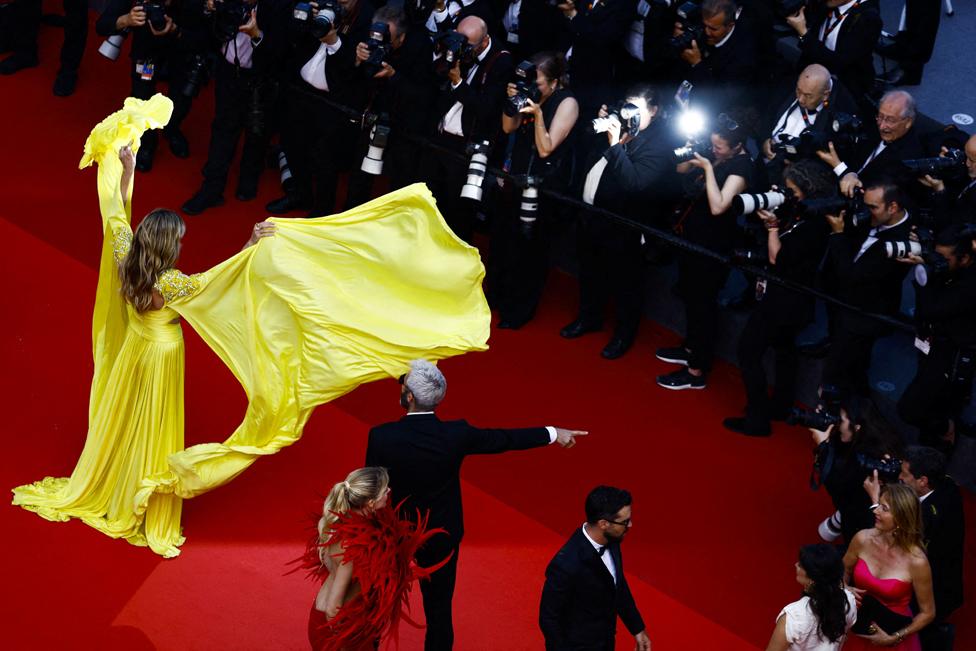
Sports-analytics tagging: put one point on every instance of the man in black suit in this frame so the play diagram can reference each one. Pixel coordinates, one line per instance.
(20, 32)
(629, 176)
(867, 278)
(423, 455)
(954, 199)
(585, 589)
(924, 470)
(840, 35)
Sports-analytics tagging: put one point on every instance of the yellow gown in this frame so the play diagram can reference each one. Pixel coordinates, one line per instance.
(300, 318)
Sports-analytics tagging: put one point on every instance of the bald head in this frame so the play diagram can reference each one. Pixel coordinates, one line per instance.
(474, 29)
(813, 86)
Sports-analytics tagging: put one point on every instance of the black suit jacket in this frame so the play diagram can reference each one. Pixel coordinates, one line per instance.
(483, 98)
(424, 455)
(724, 78)
(580, 601)
(852, 60)
(888, 164)
(595, 33)
(945, 528)
(840, 101)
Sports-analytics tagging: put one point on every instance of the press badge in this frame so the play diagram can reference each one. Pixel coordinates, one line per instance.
(923, 345)
(145, 69)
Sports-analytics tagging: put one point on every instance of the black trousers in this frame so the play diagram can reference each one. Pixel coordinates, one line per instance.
(25, 22)
(930, 400)
(610, 265)
(760, 334)
(146, 88)
(233, 94)
(445, 176)
(318, 141)
(849, 359)
(700, 281)
(916, 43)
(438, 592)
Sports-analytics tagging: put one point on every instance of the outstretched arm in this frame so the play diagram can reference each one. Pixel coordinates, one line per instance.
(261, 229)
(128, 168)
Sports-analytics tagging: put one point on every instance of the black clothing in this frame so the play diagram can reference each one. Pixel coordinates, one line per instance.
(957, 204)
(595, 33)
(914, 45)
(725, 76)
(580, 600)
(535, 30)
(24, 18)
(852, 59)
(423, 456)
(945, 529)
(843, 478)
(657, 63)
(887, 164)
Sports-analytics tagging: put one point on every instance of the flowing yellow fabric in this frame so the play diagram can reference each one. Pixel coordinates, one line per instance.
(300, 318)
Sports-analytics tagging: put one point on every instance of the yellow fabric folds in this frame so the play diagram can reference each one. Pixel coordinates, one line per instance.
(299, 319)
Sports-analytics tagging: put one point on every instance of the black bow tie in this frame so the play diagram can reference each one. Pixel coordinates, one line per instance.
(601, 549)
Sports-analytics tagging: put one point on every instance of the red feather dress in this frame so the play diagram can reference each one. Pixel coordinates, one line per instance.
(381, 546)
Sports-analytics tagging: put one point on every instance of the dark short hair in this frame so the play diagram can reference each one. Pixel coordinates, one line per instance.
(927, 462)
(393, 14)
(959, 237)
(553, 67)
(891, 192)
(727, 8)
(604, 502)
(647, 92)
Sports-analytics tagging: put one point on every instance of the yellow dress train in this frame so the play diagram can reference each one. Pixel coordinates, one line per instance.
(300, 318)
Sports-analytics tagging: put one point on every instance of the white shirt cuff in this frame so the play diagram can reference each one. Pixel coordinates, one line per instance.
(552, 434)
(332, 49)
(840, 169)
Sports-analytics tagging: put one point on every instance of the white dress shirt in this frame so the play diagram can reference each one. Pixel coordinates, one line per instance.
(795, 120)
(593, 180)
(833, 23)
(314, 69)
(240, 50)
(451, 122)
(873, 236)
(606, 557)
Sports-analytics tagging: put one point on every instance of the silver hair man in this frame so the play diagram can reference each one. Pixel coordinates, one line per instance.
(427, 384)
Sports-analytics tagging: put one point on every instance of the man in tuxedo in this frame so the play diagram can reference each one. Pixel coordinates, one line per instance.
(880, 156)
(585, 589)
(867, 279)
(954, 199)
(924, 470)
(468, 109)
(631, 175)
(423, 455)
(840, 35)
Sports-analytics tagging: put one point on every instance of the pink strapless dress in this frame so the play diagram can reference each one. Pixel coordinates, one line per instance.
(894, 594)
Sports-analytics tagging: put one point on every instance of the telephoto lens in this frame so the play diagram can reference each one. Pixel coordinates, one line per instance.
(903, 249)
(529, 206)
(378, 137)
(286, 180)
(746, 204)
(112, 46)
(818, 420)
(477, 168)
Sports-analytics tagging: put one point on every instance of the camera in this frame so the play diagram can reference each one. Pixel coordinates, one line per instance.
(747, 203)
(625, 114)
(818, 420)
(686, 153)
(112, 46)
(844, 131)
(196, 75)
(888, 469)
(228, 16)
(155, 15)
(379, 135)
(317, 24)
(689, 16)
(453, 47)
(379, 46)
(935, 263)
(950, 166)
(856, 214)
(529, 206)
(525, 88)
(279, 160)
(477, 168)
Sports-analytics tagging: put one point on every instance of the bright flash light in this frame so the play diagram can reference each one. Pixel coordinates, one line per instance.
(691, 123)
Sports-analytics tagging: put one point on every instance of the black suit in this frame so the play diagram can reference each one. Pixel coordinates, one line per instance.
(580, 601)
(945, 530)
(888, 163)
(725, 75)
(595, 33)
(424, 455)
(840, 101)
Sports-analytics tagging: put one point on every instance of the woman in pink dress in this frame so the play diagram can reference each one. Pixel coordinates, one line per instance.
(886, 565)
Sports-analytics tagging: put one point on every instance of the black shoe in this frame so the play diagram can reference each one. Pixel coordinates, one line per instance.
(578, 328)
(511, 324)
(17, 62)
(738, 425)
(285, 204)
(246, 193)
(144, 159)
(816, 349)
(64, 84)
(676, 355)
(681, 379)
(178, 144)
(202, 201)
(616, 348)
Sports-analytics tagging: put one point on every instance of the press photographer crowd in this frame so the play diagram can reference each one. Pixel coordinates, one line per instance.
(707, 134)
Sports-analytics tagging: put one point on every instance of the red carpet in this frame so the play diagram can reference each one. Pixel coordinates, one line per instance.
(718, 518)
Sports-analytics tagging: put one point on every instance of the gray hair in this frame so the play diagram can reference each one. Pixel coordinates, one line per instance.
(901, 96)
(427, 384)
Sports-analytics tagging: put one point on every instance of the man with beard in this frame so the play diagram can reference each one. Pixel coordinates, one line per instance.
(423, 455)
(585, 589)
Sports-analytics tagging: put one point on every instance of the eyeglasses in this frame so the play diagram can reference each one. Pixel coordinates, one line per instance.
(887, 119)
(622, 523)
(726, 123)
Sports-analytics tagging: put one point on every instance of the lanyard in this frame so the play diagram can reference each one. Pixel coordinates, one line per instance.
(840, 17)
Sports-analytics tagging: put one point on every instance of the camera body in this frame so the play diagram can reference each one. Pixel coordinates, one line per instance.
(888, 469)
(317, 24)
(452, 47)
(625, 114)
(525, 88)
(844, 131)
(228, 16)
(380, 47)
(828, 413)
(689, 16)
(697, 146)
(856, 214)
(197, 73)
(155, 15)
(950, 166)
(924, 247)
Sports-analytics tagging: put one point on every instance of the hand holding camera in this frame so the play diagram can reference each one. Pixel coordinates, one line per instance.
(692, 55)
(830, 156)
(135, 18)
(168, 27)
(251, 26)
(850, 184)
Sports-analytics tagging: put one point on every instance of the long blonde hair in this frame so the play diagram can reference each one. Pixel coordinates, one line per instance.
(907, 513)
(155, 248)
(359, 487)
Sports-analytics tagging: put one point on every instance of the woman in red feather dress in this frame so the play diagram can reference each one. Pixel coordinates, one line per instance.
(365, 554)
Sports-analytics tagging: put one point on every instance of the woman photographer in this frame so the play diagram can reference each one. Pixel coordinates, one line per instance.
(794, 249)
(711, 184)
(847, 453)
(819, 620)
(519, 242)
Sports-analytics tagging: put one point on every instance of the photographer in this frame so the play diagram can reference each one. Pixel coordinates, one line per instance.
(795, 247)
(246, 78)
(166, 36)
(954, 199)
(840, 35)
(708, 221)
(647, 53)
(401, 89)
(19, 33)
(880, 156)
(721, 69)
(857, 444)
(628, 178)
(528, 28)
(519, 259)
(317, 137)
(868, 278)
(945, 313)
(468, 109)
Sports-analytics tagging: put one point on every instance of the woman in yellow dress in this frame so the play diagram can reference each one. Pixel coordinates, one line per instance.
(301, 318)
